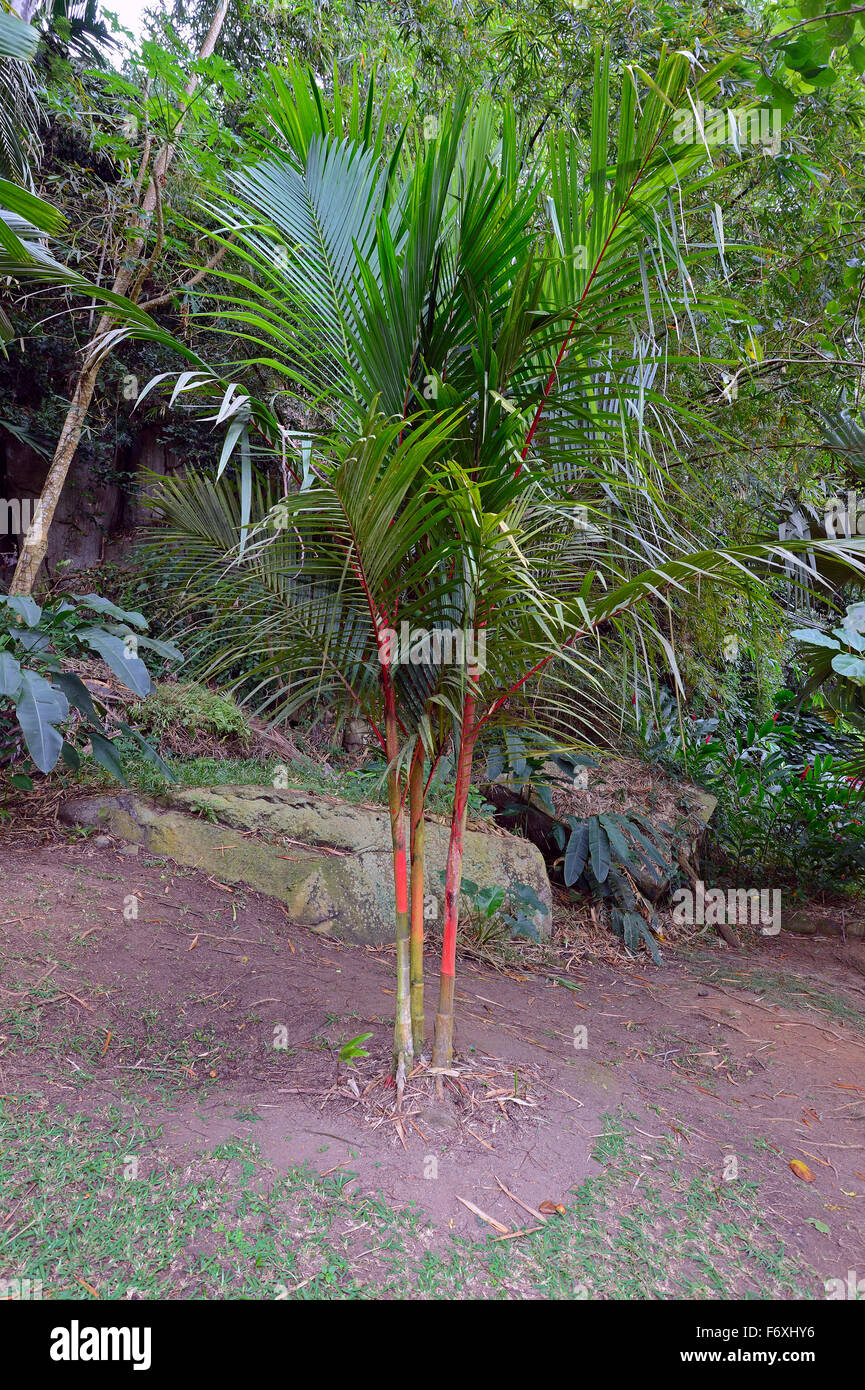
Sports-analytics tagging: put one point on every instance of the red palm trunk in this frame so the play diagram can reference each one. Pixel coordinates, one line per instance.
(444, 1025)
(416, 854)
(402, 1041)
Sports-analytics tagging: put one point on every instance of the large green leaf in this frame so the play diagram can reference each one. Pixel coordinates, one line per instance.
(169, 651)
(10, 675)
(97, 604)
(106, 755)
(23, 607)
(649, 849)
(302, 234)
(17, 39)
(78, 695)
(40, 708)
(576, 853)
(118, 656)
(853, 667)
(33, 212)
(599, 849)
(619, 844)
(814, 638)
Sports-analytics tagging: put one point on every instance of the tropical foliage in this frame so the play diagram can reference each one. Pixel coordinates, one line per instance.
(790, 810)
(40, 691)
(518, 375)
(478, 339)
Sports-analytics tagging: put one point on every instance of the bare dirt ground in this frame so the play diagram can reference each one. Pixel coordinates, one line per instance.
(132, 988)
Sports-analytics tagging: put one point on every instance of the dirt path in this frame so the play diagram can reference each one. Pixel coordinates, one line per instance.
(132, 988)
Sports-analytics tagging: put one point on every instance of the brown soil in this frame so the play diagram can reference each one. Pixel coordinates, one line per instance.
(631, 784)
(716, 1048)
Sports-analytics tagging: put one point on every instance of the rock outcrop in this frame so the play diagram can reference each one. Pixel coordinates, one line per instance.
(328, 860)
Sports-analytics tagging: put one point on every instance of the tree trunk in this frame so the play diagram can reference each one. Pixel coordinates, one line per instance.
(443, 1043)
(402, 1030)
(416, 852)
(25, 9)
(36, 541)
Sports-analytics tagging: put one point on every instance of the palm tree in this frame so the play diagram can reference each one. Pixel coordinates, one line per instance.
(20, 109)
(513, 307)
(312, 599)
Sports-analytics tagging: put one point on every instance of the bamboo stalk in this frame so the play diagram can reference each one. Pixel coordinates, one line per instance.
(416, 855)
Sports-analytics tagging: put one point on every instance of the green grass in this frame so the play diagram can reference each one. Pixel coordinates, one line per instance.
(207, 772)
(164, 1062)
(357, 785)
(191, 772)
(225, 1224)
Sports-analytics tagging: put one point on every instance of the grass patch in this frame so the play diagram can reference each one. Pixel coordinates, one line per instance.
(100, 1208)
(357, 785)
(797, 993)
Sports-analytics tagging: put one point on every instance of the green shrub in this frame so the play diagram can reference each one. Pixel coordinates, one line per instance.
(788, 811)
(38, 696)
(194, 709)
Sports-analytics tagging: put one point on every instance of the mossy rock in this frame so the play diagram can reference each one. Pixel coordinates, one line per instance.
(329, 861)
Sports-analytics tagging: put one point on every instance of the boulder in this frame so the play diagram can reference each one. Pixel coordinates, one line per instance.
(800, 923)
(328, 860)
